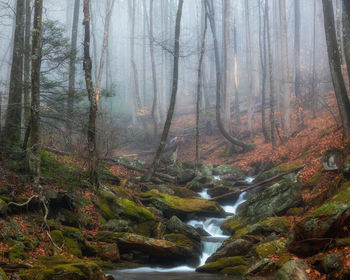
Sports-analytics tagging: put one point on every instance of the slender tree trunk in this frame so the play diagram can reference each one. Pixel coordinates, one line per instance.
(285, 69)
(71, 81)
(12, 129)
(313, 85)
(297, 80)
(199, 78)
(92, 98)
(167, 124)
(272, 99)
(233, 140)
(235, 65)
(263, 61)
(155, 115)
(35, 143)
(335, 66)
(249, 68)
(27, 57)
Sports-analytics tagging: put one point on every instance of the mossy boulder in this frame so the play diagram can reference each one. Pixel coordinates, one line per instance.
(266, 227)
(16, 253)
(116, 225)
(231, 247)
(145, 228)
(183, 208)
(3, 208)
(274, 200)
(238, 270)
(199, 183)
(294, 269)
(232, 225)
(113, 206)
(108, 252)
(224, 169)
(222, 189)
(326, 223)
(185, 176)
(67, 217)
(58, 268)
(3, 275)
(175, 225)
(274, 247)
(57, 237)
(220, 264)
(183, 192)
(206, 169)
(72, 247)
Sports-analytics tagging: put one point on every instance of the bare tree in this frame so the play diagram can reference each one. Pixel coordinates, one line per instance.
(27, 48)
(335, 66)
(169, 118)
(92, 98)
(35, 143)
(249, 67)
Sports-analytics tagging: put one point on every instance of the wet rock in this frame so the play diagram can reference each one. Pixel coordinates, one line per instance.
(185, 176)
(116, 225)
(182, 207)
(220, 264)
(274, 200)
(232, 225)
(109, 252)
(230, 248)
(199, 183)
(59, 268)
(222, 189)
(234, 171)
(314, 232)
(157, 250)
(3, 208)
(175, 225)
(293, 270)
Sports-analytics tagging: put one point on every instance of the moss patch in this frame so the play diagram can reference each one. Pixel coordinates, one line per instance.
(235, 270)
(274, 247)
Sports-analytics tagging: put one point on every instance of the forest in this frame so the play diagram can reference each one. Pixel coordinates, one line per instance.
(174, 139)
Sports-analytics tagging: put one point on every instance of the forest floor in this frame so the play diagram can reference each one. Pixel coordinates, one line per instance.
(304, 148)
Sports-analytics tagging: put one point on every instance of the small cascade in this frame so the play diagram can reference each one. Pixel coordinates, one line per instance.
(204, 194)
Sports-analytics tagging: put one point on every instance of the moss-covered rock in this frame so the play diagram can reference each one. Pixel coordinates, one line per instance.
(220, 264)
(161, 250)
(57, 237)
(17, 254)
(294, 211)
(228, 169)
(221, 189)
(145, 228)
(72, 247)
(232, 225)
(182, 207)
(274, 247)
(3, 275)
(67, 217)
(238, 270)
(74, 233)
(206, 169)
(57, 268)
(113, 206)
(274, 200)
(116, 225)
(325, 223)
(3, 208)
(183, 192)
(294, 269)
(108, 252)
(175, 225)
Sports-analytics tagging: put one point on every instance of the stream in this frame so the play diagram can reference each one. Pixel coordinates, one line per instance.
(210, 245)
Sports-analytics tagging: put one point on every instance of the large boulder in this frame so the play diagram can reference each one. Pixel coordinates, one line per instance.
(274, 200)
(234, 171)
(175, 225)
(230, 248)
(220, 264)
(185, 176)
(157, 250)
(318, 228)
(59, 268)
(293, 270)
(182, 207)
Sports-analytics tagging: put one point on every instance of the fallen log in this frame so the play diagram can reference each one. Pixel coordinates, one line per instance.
(164, 177)
(272, 179)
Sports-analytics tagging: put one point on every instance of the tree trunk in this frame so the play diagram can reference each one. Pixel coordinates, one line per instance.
(297, 78)
(249, 68)
(35, 143)
(199, 78)
(27, 57)
(272, 99)
(167, 124)
(71, 82)
(233, 140)
(155, 116)
(335, 66)
(235, 63)
(12, 128)
(313, 85)
(92, 98)
(263, 62)
(285, 69)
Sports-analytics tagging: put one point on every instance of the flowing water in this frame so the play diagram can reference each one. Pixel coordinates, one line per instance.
(210, 245)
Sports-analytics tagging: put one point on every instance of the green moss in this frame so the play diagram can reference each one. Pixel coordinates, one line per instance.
(294, 211)
(221, 264)
(145, 228)
(16, 253)
(235, 270)
(72, 247)
(3, 275)
(131, 210)
(232, 225)
(106, 211)
(57, 268)
(57, 237)
(74, 234)
(179, 239)
(274, 247)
